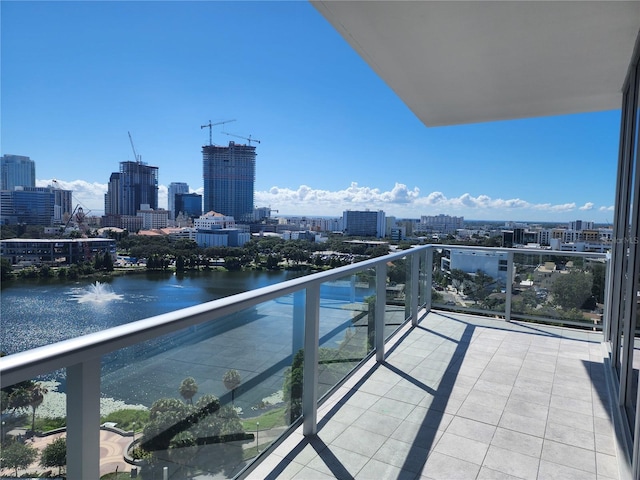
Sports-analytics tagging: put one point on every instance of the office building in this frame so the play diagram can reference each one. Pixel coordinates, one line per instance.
(364, 223)
(174, 189)
(493, 264)
(440, 224)
(134, 185)
(17, 171)
(35, 205)
(216, 230)
(188, 204)
(152, 219)
(55, 252)
(229, 178)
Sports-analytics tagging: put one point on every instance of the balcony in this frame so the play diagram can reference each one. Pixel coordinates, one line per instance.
(395, 381)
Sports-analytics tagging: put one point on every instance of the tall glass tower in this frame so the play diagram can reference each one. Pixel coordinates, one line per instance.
(17, 171)
(229, 178)
(135, 184)
(175, 188)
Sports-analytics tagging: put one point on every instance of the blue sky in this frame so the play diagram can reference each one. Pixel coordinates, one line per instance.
(77, 76)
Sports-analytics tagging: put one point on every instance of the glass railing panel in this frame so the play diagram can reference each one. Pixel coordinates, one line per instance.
(422, 282)
(347, 314)
(206, 399)
(470, 280)
(560, 289)
(398, 294)
(33, 426)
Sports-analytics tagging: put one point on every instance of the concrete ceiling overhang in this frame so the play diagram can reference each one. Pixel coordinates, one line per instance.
(455, 62)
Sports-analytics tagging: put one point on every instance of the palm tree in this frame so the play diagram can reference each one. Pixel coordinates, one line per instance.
(188, 389)
(36, 397)
(231, 381)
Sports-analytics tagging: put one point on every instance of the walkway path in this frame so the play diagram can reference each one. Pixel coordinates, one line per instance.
(112, 449)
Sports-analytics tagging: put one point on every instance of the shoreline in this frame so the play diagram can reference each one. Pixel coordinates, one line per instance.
(54, 404)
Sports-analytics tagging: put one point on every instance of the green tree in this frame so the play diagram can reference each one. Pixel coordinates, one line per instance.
(572, 290)
(179, 263)
(17, 455)
(107, 263)
(273, 261)
(231, 380)
(232, 263)
(292, 388)
(207, 405)
(183, 449)
(188, 389)
(599, 275)
(36, 397)
(19, 398)
(55, 454)
(5, 269)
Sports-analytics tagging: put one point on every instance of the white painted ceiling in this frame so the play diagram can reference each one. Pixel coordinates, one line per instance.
(455, 62)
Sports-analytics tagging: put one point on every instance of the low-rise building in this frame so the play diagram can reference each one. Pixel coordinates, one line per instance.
(59, 251)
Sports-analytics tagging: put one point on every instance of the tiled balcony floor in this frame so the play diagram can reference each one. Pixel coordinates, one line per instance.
(464, 397)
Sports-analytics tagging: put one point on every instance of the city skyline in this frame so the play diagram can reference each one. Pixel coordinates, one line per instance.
(332, 135)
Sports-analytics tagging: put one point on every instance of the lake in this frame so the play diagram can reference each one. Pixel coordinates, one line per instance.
(258, 342)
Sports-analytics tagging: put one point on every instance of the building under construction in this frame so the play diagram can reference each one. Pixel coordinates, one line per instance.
(229, 178)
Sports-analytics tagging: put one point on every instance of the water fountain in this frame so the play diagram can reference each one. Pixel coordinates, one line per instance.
(97, 293)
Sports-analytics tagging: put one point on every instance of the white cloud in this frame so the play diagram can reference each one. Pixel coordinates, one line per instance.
(90, 196)
(400, 201)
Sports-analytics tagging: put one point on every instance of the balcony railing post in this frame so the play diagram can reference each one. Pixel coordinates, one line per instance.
(608, 285)
(310, 368)
(380, 308)
(83, 419)
(509, 286)
(415, 276)
(429, 285)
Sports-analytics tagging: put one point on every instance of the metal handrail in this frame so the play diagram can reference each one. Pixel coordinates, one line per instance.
(31, 363)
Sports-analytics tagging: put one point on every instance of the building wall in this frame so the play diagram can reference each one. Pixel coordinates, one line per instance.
(153, 219)
(493, 264)
(55, 251)
(212, 220)
(364, 223)
(134, 185)
(176, 188)
(229, 177)
(189, 204)
(445, 224)
(17, 171)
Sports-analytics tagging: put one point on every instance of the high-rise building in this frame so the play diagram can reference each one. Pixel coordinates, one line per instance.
(176, 188)
(364, 223)
(17, 171)
(35, 205)
(445, 224)
(189, 204)
(229, 177)
(134, 185)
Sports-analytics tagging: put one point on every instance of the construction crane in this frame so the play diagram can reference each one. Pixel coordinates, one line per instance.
(213, 125)
(248, 139)
(138, 158)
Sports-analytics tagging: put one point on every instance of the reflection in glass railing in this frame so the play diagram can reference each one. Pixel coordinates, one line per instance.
(216, 394)
(557, 288)
(470, 279)
(347, 314)
(398, 295)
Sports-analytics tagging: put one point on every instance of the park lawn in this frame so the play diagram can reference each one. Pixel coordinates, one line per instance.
(272, 418)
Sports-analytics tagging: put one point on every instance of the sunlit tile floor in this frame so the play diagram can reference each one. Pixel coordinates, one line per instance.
(464, 397)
